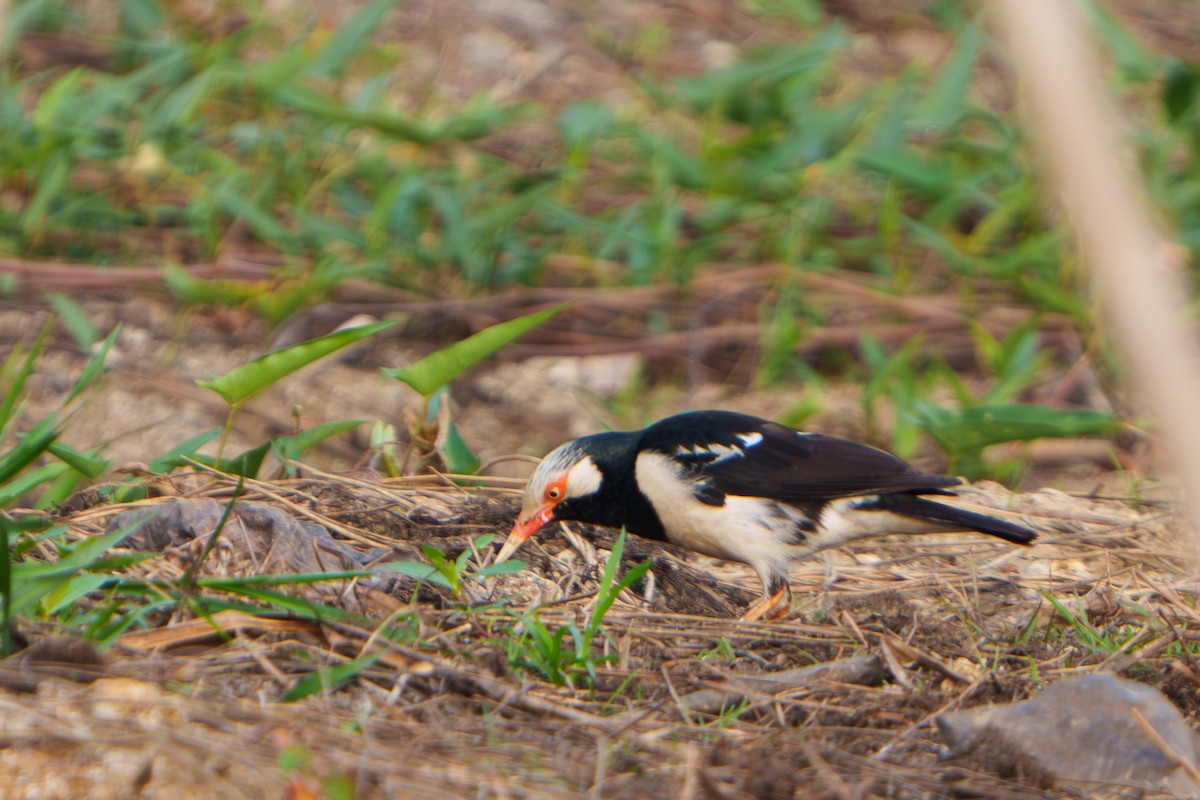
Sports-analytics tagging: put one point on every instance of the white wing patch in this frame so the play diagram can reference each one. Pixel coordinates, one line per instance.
(750, 439)
(716, 452)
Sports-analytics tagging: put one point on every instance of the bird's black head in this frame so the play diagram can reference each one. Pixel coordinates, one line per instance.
(582, 480)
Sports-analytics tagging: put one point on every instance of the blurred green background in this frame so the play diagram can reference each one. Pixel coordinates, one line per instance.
(854, 175)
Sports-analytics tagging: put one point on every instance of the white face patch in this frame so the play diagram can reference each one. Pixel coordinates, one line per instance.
(584, 478)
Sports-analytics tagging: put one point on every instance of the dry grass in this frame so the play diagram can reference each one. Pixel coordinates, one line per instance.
(916, 626)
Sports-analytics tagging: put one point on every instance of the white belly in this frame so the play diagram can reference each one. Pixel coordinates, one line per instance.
(752, 530)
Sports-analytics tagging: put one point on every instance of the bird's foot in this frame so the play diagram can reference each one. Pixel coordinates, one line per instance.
(772, 606)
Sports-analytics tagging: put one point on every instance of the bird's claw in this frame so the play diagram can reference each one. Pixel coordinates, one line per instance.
(773, 606)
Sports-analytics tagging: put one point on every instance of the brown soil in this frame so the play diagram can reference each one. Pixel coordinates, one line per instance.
(176, 710)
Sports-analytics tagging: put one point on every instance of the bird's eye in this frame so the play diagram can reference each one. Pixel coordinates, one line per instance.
(553, 493)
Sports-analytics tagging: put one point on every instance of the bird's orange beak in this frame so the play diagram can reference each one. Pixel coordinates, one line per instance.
(525, 527)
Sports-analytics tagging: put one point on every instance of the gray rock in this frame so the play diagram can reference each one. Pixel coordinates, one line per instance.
(1083, 730)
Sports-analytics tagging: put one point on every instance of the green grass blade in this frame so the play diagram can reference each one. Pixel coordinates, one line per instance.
(191, 289)
(1181, 90)
(605, 601)
(177, 456)
(78, 325)
(321, 106)
(969, 430)
(94, 365)
(505, 568)
(59, 490)
(438, 369)
(610, 588)
(5, 586)
(330, 679)
(243, 382)
(285, 579)
(245, 464)
(140, 18)
(68, 591)
(52, 185)
(17, 388)
(289, 448)
(279, 601)
(13, 490)
(1052, 296)
(33, 581)
(188, 580)
(1132, 58)
(88, 464)
(945, 103)
(458, 456)
(259, 219)
(180, 106)
(277, 74)
(911, 170)
(419, 570)
(58, 104)
(350, 38)
(30, 446)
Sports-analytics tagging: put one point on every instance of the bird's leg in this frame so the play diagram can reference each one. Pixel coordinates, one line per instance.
(775, 603)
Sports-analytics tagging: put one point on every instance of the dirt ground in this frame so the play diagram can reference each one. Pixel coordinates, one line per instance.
(913, 627)
(922, 625)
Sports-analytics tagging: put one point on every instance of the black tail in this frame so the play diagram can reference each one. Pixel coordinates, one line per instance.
(911, 505)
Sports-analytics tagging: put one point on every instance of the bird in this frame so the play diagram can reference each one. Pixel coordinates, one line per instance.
(742, 488)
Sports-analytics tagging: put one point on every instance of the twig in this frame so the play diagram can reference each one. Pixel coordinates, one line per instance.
(1173, 755)
(1143, 296)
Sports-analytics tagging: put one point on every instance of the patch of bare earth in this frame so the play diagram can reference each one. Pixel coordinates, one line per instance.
(688, 701)
(692, 703)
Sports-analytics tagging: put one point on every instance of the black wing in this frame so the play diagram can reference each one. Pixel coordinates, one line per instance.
(743, 455)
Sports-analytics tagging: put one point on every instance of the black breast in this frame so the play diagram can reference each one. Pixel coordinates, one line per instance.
(618, 503)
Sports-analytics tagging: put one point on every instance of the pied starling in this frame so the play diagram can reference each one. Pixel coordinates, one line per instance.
(742, 488)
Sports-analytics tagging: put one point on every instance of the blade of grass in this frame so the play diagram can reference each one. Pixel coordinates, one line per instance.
(177, 456)
(247, 380)
(350, 38)
(187, 582)
(305, 609)
(609, 591)
(30, 446)
(17, 389)
(286, 579)
(13, 490)
(5, 586)
(291, 447)
(945, 102)
(78, 325)
(438, 369)
(966, 430)
(94, 365)
(85, 463)
(330, 679)
(419, 570)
